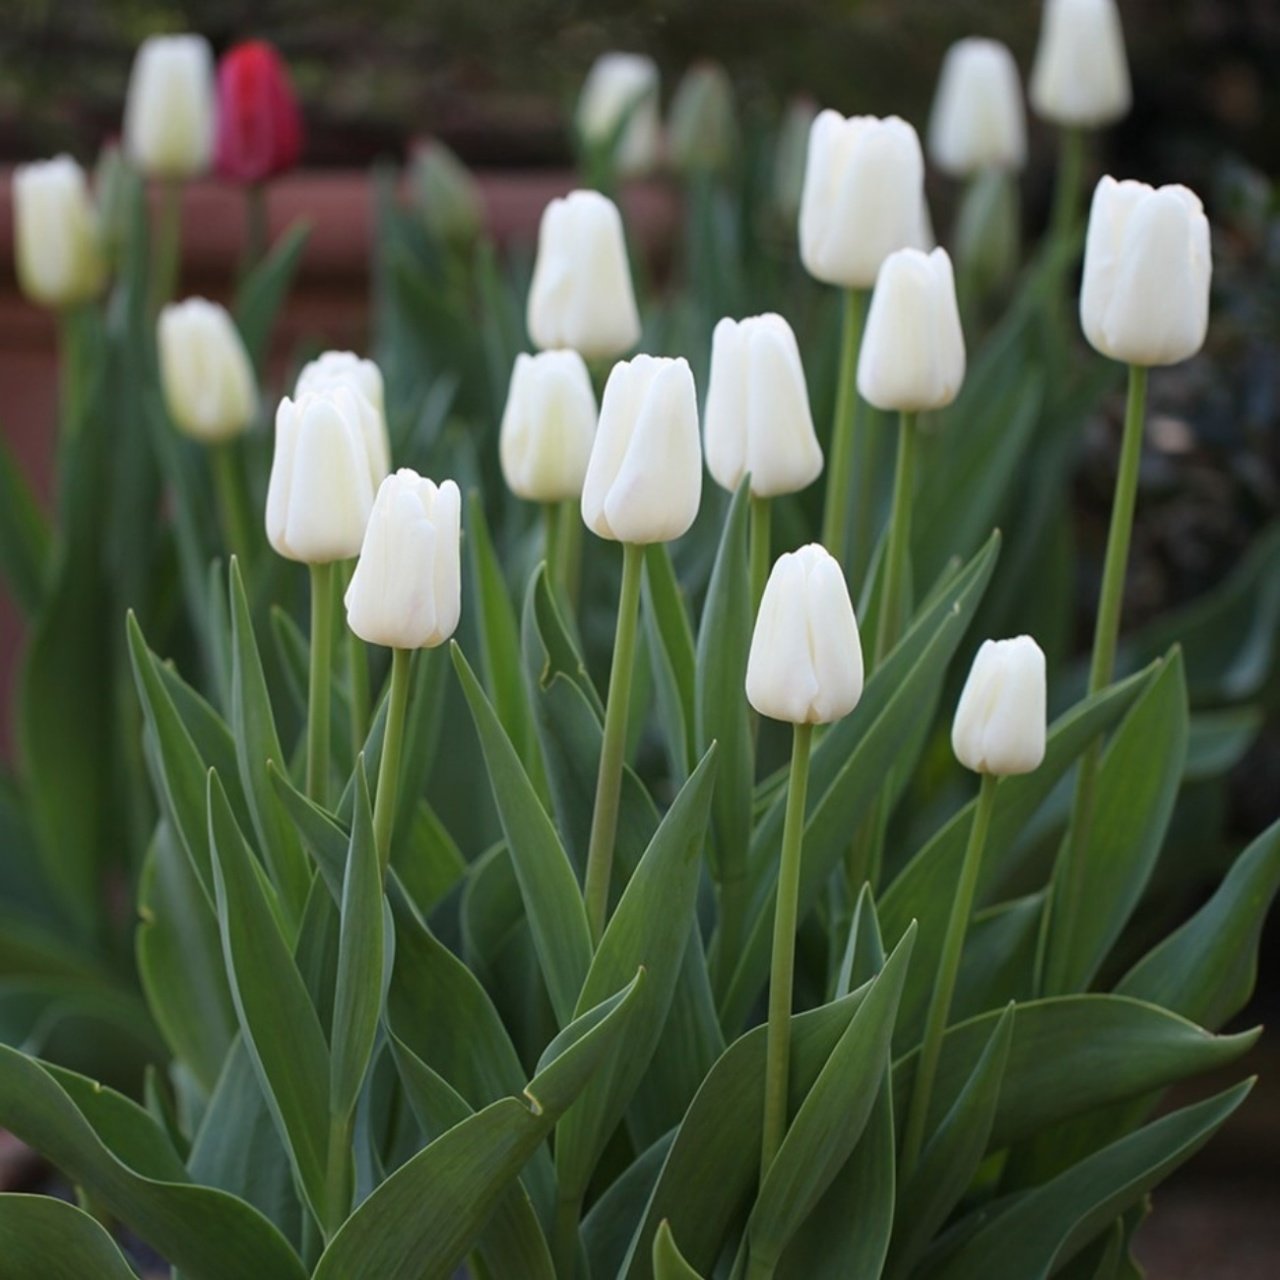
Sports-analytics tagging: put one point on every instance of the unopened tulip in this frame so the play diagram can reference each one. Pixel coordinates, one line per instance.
(999, 727)
(346, 369)
(1147, 265)
(327, 466)
(702, 132)
(259, 125)
(406, 592)
(978, 120)
(862, 199)
(1081, 76)
(581, 294)
(805, 664)
(445, 194)
(623, 87)
(757, 412)
(56, 245)
(169, 110)
(644, 480)
(205, 371)
(912, 355)
(548, 426)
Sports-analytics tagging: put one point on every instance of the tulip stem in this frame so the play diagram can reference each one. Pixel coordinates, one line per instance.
(778, 1042)
(894, 593)
(228, 486)
(255, 225)
(384, 805)
(761, 510)
(72, 379)
(357, 692)
(945, 983)
(168, 244)
(337, 1184)
(319, 686)
(1066, 191)
(1106, 636)
(604, 820)
(844, 429)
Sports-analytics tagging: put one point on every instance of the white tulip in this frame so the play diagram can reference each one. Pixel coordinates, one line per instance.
(623, 86)
(205, 371)
(1147, 266)
(326, 468)
(1000, 720)
(55, 234)
(1081, 74)
(862, 198)
(548, 426)
(169, 110)
(644, 480)
(406, 591)
(757, 414)
(346, 369)
(805, 664)
(912, 355)
(978, 121)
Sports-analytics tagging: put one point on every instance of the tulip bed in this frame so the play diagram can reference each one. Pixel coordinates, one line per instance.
(578, 870)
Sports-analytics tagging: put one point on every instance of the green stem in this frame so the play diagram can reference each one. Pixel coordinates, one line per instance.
(233, 507)
(551, 553)
(357, 692)
(168, 244)
(564, 1237)
(840, 468)
(337, 1184)
(255, 224)
(778, 1043)
(945, 982)
(604, 820)
(319, 686)
(1066, 191)
(72, 343)
(761, 510)
(893, 597)
(384, 805)
(759, 1268)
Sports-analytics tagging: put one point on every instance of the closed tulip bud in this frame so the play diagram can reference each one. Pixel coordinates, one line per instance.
(205, 371)
(406, 591)
(978, 120)
(1081, 76)
(912, 355)
(259, 125)
(346, 369)
(805, 665)
(55, 234)
(169, 111)
(644, 479)
(581, 295)
(789, 156)
(1000, 720)
(702, 132)
(327, 465)
(619, 105)
(1147, 265)
(862, 199)
(757, 412)
(445, 194)
(548, 426)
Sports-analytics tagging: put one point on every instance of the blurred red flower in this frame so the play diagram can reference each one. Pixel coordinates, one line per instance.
(259, 124)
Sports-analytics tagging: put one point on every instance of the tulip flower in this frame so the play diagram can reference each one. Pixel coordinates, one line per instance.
(702, 130)
(57, 249)
(618, 109)
(339, 368)
(445, 194)
(1081, 75)
(978, 120)
(581, 294)
(169, 110)
(999, 731)
(805, 667)
(548, 427)
(205, 371)
(259, 133)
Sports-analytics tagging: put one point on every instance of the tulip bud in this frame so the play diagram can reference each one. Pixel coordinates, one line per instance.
(978, 121)
(55, 234)
(912, 354)
(757, 412)
(619, 106)
(789, 154)
(406, 591)
(1081, 75)
(581, 295)
(644, 479)
(326, 467)
(169, 112)
(862, 199)
(548, 426)
(346, 369)
(445, 194)
(1147, 264)
(805, 665)
(205, 371)
(259, 124)
(702, 133)
(1000, 720)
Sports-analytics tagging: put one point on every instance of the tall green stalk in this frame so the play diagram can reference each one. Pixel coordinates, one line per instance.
(893, 596)
(1066, 191)
(761, 513)
(233, 504)
(319, 684)
(385, 802)
(945, 982)
(839, 500)
(167, 246)
(337, 1181)
(604, 819)
(256, 236)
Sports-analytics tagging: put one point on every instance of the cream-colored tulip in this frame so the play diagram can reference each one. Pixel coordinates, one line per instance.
(169, 111)
(346, 369)
(978, 121)
(205, 371)
(56, 243)
(548, 426)
(623, 86)
(1081, 75)
(999, 727)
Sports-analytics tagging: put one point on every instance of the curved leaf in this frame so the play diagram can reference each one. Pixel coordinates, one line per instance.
(56, 1241)
(668, 1261)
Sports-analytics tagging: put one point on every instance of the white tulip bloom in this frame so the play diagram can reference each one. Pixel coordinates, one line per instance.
(548, 426)
(169, 111)
(999, 726)
(1081, 75)
(978, 121)
(205, 372)
(57, 250)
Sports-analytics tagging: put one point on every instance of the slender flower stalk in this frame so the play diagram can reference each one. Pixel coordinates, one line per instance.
(845, 433)
(233, 501)
(761, 519)
(1067, 184)
(358, 696)
(895, 597)
(385, 802)
(167, 250)
(320, 682)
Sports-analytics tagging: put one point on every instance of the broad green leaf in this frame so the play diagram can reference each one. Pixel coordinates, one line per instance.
(999, 958)
(56, 1241)
(666, 621)
(1217, 740)
(668, 1261)
(429, 861)
(24, 536)
(607, 1228)
(264, 290)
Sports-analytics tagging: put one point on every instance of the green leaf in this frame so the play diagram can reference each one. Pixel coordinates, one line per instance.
(25, 553)
(426, 1216)
(668, 1261)
(552, 899)
(666, 621)
(607, 1228)
(1048, 1225)
(265, 288)
(277, 1019)
(56, 1241)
